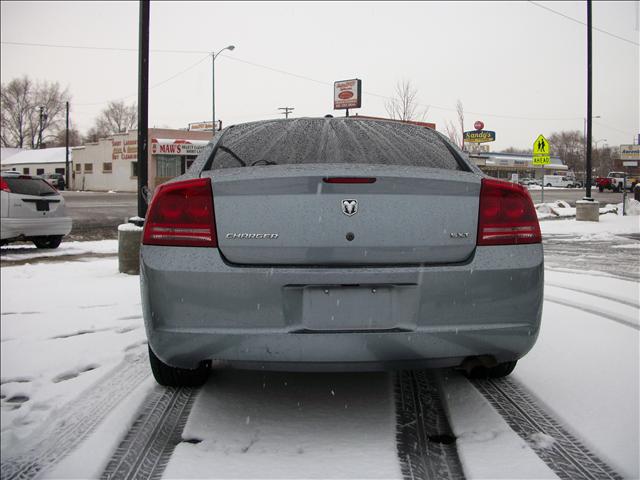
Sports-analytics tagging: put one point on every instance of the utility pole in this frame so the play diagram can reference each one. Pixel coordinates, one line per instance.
(287, 111)
(42, 116)
(66, 150)
(589, 89)
(143, 107)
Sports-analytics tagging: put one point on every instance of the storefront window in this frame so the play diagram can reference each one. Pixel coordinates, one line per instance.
(168, 165)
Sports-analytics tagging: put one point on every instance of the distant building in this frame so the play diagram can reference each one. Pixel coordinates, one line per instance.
(35, 162)
(503, 165)
(112, 163)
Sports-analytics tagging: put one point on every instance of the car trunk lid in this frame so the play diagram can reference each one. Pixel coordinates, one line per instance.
(296, 215)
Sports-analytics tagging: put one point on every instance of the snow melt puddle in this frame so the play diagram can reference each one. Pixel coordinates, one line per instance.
(290, 425)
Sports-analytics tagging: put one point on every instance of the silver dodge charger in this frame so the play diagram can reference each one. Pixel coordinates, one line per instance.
(338, 243)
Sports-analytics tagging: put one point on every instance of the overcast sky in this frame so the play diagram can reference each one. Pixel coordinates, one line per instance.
(515, 65)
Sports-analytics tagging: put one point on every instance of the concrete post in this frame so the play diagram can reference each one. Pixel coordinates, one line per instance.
(587, 211)
(129, 238)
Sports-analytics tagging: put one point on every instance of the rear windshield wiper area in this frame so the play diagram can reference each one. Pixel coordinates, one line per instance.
(262, 161)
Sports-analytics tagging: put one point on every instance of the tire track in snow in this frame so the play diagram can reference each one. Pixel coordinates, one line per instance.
(566, 456)
(623, 320)
(595, 293)
(76, 421)
(426, 446)
(147, 447)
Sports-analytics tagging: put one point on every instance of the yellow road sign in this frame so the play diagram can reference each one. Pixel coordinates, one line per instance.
(541, 151)
(542, 160)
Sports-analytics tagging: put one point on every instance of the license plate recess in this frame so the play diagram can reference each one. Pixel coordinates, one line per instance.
(334, 308)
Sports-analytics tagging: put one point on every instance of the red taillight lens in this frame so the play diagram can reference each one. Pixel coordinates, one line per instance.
(181, 214)
(507, 215)
(4, 186)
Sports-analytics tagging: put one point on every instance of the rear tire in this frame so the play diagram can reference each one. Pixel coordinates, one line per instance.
(52, 241)
(177, 377)
(548, 185)
(499, 371)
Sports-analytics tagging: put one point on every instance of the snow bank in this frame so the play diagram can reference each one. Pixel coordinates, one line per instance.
(608, 226)
(129, 227)
(25, 252)
(561, 209)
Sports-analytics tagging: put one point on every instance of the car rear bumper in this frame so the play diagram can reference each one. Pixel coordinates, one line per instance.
(34, 227)
(198, 307)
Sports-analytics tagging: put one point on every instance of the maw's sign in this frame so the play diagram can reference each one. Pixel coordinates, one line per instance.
(164, 146)
(479, 136)
(347, 94)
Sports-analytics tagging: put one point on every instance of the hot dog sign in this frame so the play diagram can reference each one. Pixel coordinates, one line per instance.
(347, 94)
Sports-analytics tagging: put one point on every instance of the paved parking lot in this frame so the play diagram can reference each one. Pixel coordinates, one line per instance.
(96, 215)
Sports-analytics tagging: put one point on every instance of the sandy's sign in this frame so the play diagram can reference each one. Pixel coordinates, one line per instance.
(479, 136)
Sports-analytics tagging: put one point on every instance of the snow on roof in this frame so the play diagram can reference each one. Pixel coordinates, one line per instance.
(46, 155)
(9, 152)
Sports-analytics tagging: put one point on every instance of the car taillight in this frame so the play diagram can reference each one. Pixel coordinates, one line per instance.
(507, 215)
(181, 214)
(4, 186)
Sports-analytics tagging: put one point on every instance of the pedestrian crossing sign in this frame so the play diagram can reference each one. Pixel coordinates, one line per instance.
(541, 151)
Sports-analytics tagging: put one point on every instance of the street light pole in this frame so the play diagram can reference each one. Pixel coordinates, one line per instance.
(597, 155)
(213, 85)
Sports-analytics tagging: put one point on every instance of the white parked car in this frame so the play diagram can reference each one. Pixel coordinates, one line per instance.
(31, 209)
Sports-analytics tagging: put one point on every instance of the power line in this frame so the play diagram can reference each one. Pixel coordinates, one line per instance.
(190, 67)
(628, 132)
(582, 23)
(88, 47)
(385, 97)
(277, 70)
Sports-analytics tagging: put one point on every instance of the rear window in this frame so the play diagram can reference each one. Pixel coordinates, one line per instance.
(333, 140)
(30, 186)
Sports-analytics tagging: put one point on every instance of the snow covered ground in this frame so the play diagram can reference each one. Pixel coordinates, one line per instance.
(67, 332)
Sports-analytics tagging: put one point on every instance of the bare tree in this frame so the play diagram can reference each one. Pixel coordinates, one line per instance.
(31, 113)
(453, 133)
(569, 146)
(117, 117)
(404, 105)
(456, 132)
(59, 140)
(460, 111)
(515, 150)
(93, 135)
